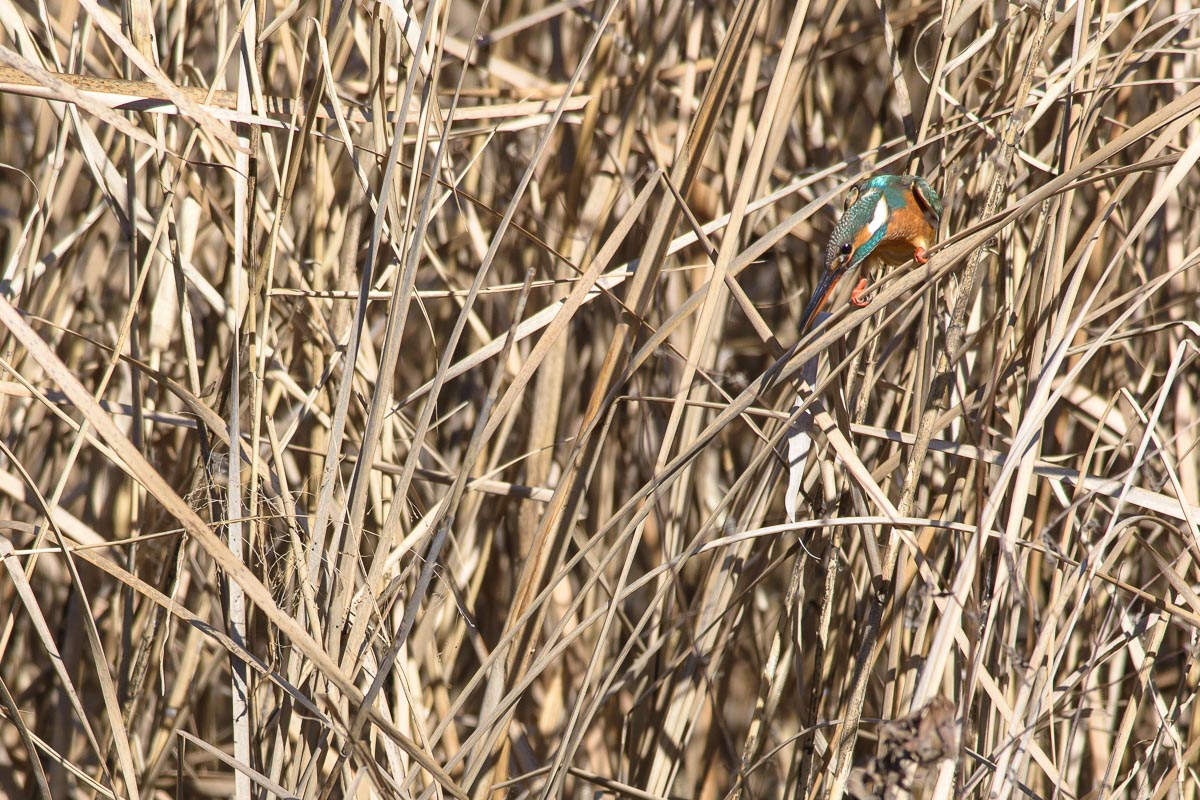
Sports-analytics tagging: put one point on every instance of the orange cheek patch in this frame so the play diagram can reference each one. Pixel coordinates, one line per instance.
(861, 237)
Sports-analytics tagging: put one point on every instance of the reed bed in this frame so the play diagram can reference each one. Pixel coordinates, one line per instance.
(396, 401)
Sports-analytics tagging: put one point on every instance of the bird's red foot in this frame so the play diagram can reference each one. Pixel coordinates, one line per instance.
(920, 256)
(857, 296)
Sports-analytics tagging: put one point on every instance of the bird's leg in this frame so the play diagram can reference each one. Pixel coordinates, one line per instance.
(920, 256)
(858, 294)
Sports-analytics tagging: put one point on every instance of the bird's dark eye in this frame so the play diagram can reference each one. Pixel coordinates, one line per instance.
(846, 248)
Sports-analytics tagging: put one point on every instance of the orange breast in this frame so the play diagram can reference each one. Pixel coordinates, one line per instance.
(907, 230)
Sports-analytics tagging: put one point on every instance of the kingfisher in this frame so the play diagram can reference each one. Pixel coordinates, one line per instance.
(888, 219)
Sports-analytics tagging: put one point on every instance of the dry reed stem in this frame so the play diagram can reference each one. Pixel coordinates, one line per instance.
(477, 324)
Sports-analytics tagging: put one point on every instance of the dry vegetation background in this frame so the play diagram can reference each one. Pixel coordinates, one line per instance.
(498, 305)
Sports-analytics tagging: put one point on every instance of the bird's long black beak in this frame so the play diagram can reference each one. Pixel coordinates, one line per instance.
(821, 294)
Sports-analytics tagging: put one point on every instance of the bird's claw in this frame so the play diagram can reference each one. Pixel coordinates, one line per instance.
(858, 295)
(920, 256)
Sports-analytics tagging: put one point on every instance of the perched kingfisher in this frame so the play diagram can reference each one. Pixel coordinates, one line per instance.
(888, 219)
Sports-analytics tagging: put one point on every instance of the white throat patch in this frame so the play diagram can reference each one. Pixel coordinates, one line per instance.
(881, 216)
